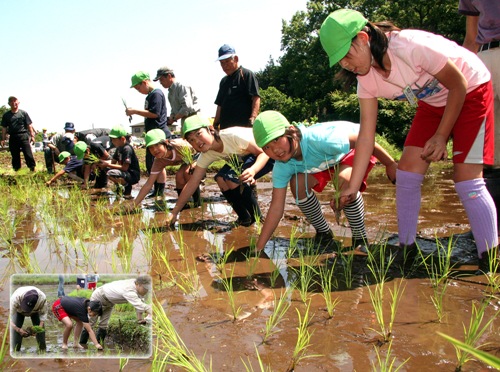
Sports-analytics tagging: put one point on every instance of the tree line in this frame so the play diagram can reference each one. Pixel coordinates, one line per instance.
(301, 85)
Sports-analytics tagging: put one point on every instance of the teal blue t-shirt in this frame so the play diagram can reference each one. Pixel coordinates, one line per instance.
(323, 145)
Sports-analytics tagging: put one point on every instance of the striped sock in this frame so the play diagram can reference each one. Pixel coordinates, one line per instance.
(312, 210)
(355, 214)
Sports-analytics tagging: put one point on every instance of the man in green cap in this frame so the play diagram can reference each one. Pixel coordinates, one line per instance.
(154, 113)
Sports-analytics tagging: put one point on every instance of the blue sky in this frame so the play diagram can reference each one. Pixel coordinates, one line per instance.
(72, 60)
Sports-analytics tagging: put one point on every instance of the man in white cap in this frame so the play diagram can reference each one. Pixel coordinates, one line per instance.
(238, 100)
(60, 142)
(27, 301)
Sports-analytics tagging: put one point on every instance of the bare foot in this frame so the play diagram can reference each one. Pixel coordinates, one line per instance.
(65, 346)
(77, 346)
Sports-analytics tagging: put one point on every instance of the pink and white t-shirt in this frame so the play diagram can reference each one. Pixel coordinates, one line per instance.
(415, 57)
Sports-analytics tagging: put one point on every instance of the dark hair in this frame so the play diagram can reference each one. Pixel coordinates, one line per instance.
(292, 133)
(95, 306)
(378, 47)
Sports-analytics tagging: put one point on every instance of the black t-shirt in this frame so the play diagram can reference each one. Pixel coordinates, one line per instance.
(126, 155)
(155, 103)
(76, 307)
(235, 98)
(16, 123)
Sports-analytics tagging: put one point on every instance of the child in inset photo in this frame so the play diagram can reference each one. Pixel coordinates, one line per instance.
(78, 309)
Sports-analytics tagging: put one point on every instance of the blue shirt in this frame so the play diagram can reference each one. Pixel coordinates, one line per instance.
(323, 145)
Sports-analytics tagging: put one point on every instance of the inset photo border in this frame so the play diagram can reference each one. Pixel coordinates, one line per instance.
(80, 316)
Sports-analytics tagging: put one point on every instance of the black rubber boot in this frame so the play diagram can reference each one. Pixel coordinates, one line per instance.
(159, 189)
(250, 203)
(101, 335)
(153, 192)
(197, 197)
(101, 180)
(40, 339)
(234, 198)
(84, 337)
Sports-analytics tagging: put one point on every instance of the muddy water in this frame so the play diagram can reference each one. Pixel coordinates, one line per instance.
(202, 315)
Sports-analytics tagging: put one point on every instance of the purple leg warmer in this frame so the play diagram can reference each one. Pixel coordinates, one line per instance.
(408, 195)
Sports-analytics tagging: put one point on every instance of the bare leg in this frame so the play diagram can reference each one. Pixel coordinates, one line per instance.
(78, 332)
(68, 326)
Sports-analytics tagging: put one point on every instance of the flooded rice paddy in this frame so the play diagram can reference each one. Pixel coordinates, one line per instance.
(242, 312)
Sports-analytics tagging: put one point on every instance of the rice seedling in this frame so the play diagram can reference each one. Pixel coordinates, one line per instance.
(220, 260)
(227, 283)
(235, 164)
(126, 107)
(335, 181)
(377, 300)
(281, 306)
(305, 274)
(178, 242)
(4, 347)
(170, 349)
(123, 363)
(347, 265)
(23, 255)
(328, 282)
(493, 268)
(485, 357)
(124, 251)
(378, 264)
(386, 364)
(474, 332)
(251, 260)
(249, 368)
(186, 154)
(274, 273)
(187, 280)
(303, 340)
(440, 267)
(439, 270)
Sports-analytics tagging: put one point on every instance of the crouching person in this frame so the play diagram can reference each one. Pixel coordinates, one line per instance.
(66, 309)
(120, 292)
(27, 301)
(124, 169)
(72, 167)
(92, 156)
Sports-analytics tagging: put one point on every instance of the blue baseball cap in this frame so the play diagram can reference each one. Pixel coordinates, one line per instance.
(226, 51)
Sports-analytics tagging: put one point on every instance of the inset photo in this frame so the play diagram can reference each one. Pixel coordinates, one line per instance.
(80, 316)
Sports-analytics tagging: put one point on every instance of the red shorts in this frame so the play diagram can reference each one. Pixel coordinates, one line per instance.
(473, 133)
(58, 310)
(326, 176)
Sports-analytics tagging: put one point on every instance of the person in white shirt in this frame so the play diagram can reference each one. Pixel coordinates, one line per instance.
(27, 301)
(120, 292)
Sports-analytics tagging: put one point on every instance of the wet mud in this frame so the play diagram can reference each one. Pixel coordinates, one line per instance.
(193, 262)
